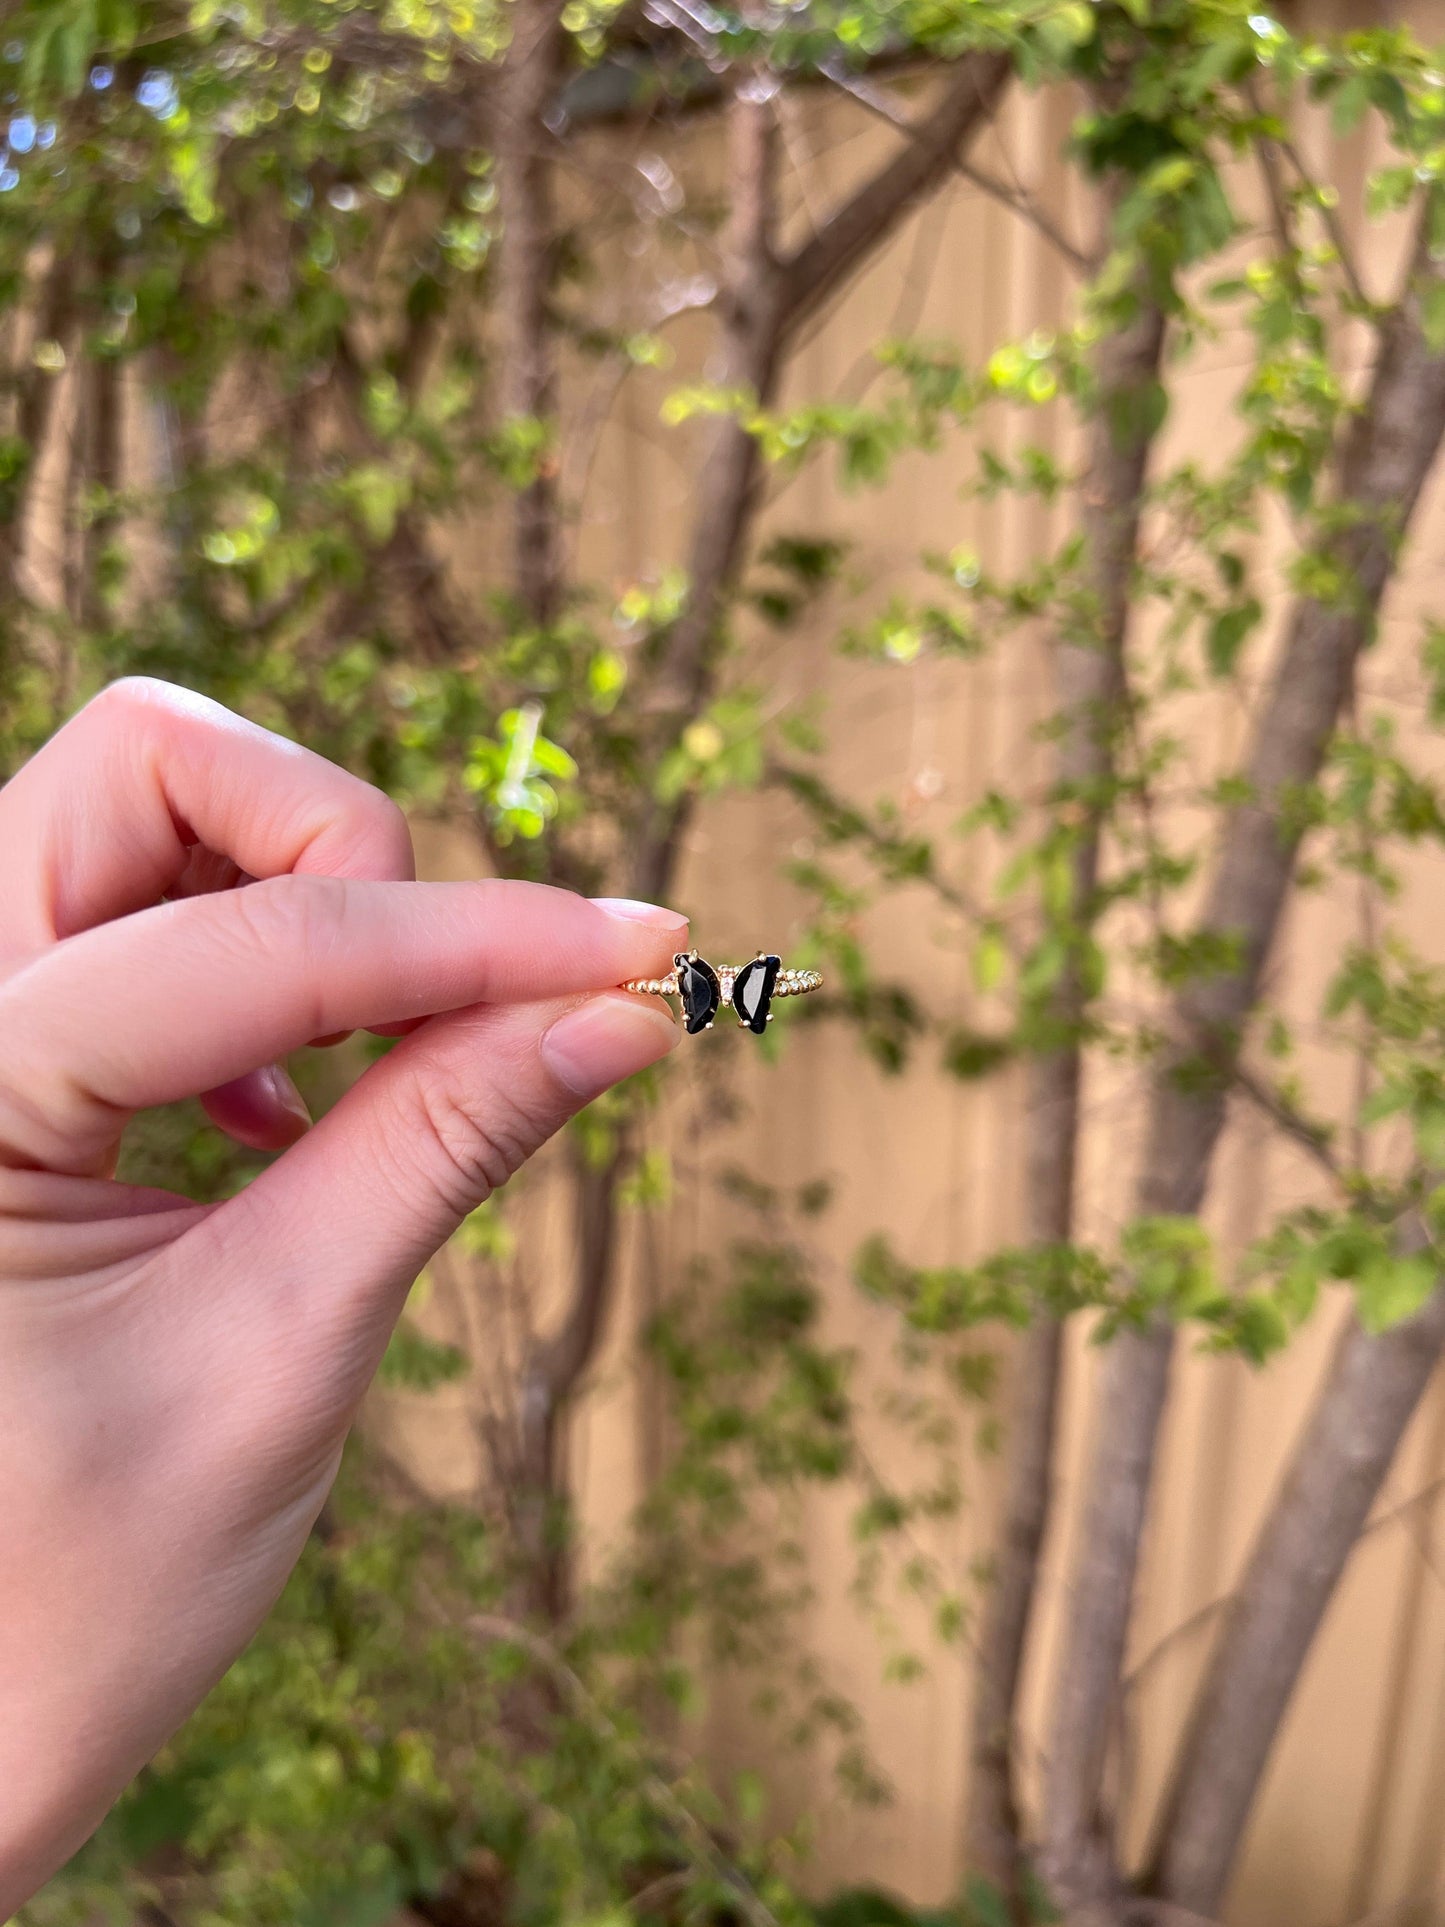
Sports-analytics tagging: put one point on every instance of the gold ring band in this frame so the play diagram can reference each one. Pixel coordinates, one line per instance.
(750, 988)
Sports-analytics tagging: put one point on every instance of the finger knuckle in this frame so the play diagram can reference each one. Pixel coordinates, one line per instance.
(141, 703)
(471, 1146)
(306, 914)
(153, 720)
(388, 826)
(48, 1117)
(362, 824)
(303, 918)
(129, 693)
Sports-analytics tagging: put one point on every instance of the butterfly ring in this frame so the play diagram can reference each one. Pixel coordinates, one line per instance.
(750, 988)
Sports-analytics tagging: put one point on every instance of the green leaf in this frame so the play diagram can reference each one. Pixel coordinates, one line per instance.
(1261, 1327)
(971, 1054)
(1432, 315)
(361, 1903)
(751, 1796)
(71, 52)
(1227, 633)
(416, 1363)
(1044, 966)
(984, 1905)
(553, 760)
(990, 958)
(864, 1907)
(1430, 1135)
(159, 1811)
(1390, 1289)
(1350, 104)
(1172, 1264)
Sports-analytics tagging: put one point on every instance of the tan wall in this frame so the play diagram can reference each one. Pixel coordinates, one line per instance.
(1347, 1825)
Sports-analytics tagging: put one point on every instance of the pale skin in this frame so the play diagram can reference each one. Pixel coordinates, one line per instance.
(177, 1379)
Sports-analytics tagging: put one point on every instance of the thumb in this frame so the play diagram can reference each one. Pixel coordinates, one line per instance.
(334, 1233)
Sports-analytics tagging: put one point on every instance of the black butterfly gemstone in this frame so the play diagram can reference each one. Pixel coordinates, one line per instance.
(753, 992)
(699, 990)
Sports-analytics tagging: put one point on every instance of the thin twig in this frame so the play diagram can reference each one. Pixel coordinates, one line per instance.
(1017, 199)
(1268, 157)
(880, 847)
(1312, 1137)
(496, 1626)
(1132, 1680)
(1367, 910)
(1333, 225)
(1266, 146)
(595, 412)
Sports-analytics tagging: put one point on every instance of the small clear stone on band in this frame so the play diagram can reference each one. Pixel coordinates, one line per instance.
(727, 978)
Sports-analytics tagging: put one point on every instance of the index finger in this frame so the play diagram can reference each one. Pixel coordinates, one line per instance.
(103, 820)
(188, 995)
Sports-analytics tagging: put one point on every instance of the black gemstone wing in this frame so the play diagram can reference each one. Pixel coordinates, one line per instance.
(753, 992)
(699, 991)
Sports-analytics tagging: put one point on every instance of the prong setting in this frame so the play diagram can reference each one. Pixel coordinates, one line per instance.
(750, 989)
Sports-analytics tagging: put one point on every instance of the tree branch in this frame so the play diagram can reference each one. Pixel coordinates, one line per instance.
(1334, 227)
(1382, 462)
(1205, 1615)
(441, 633)
(1016, 199)
(749, 306)
(1269, 147)
(761, 304)
(858, 225)
(1311, 1136)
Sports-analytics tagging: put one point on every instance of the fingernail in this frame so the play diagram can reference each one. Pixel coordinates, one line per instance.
(283, 1093)
(606, 1039)
(634, 912)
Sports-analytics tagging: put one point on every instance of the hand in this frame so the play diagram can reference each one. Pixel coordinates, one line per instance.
(176, 1380)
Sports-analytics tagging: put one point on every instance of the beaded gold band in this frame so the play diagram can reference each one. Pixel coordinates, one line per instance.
(750, 988)
(790, 983)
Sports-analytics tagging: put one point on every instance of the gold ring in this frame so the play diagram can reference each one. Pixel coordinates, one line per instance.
(750, 988)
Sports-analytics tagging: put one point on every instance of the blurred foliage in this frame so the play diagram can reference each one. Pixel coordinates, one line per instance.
(382, 1703)
(258, 241)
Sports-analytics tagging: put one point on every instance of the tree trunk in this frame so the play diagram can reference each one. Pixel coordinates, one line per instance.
(1341, 1460)
(550, 1381)
(38, 392)
(749, 309)
(1386, 454)
(762, 299)
(1089, 684)
(103, 398)
(524, 174)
